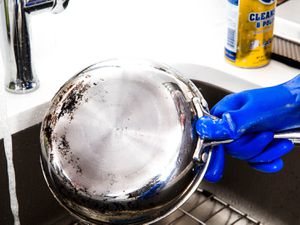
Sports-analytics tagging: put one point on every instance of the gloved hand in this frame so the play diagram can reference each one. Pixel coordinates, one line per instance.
(251, 117)
(260, 150)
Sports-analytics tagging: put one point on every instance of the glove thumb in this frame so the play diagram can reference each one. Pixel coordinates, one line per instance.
(214, 129)
(215, 168)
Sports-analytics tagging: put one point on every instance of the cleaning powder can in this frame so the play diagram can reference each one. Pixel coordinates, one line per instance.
(249, 32)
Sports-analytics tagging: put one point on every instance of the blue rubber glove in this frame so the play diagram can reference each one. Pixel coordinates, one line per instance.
(266, 109)
(261, 151)
(251, 117)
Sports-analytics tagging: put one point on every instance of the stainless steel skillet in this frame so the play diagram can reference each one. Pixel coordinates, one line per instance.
(118, 144)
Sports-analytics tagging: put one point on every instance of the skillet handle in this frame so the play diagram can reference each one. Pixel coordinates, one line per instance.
(292, 135)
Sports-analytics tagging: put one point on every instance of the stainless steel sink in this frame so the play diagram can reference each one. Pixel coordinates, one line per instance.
(244, 196)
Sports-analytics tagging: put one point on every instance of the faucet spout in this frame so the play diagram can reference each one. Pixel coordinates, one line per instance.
(38, 5)
(20, 75)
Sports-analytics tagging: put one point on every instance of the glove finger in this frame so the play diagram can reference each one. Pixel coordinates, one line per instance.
(275, 150)
(249, 145)
(230, 102)
(217, 129)
(271, 167)
(215, 168)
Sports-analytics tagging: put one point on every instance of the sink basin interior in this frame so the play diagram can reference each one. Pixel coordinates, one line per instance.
(269, 198)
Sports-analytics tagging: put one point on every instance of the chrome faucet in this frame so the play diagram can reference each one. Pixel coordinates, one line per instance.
(15, 47)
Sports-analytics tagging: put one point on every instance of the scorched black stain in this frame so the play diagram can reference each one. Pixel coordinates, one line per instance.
(65, 151)
(73, 100)
(64, 145)
(71, 96)
(48, 128)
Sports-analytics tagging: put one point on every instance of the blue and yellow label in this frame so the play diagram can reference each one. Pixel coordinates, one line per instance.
(262, 19)
(250, 32)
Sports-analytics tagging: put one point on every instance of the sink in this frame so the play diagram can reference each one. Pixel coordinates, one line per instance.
(266, 198)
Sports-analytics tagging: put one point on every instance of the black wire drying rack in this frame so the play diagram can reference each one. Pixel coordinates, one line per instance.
(205, 208)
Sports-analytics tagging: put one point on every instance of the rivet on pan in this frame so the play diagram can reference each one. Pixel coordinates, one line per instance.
(204, 157)
(204, 103)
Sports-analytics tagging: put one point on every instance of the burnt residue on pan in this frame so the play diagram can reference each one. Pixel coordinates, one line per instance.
(48, 129)
(64, 105)
(67, 154)
(64, 145)
(73, 99)
(65, 102)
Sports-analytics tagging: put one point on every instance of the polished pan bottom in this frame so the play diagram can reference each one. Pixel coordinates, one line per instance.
(272, 199)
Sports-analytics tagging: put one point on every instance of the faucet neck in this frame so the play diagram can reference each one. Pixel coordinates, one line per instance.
(15, 48)
(20, 76)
